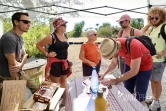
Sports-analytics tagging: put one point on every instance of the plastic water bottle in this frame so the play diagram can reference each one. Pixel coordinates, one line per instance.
(94, 83)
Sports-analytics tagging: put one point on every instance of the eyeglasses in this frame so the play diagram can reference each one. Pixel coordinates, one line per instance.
(64, 25)
(95, 34)
(151, 18)
(121, 22)
(25, 21)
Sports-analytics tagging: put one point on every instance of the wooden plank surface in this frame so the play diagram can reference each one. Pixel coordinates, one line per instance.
(55, 99)
(53, 102)
(131, 99)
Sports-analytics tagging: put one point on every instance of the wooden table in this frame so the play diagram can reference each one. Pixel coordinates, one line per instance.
(118, 97)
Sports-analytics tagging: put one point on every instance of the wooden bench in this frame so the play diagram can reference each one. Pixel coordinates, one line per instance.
(52, 106)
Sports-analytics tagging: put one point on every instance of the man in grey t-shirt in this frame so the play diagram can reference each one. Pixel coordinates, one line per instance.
(12, 52)
(10, 43)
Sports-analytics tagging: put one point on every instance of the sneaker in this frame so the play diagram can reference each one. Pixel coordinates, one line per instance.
(154, 106)
(149, 100)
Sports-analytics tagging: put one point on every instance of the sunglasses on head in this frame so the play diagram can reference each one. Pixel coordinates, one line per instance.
(151, 18)
(64, 25)
(25, 21)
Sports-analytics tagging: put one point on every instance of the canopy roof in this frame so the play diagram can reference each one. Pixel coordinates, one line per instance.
(79, 8)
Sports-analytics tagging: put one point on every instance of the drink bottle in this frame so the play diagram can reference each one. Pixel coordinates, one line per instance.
(100, 102)
(94, 83)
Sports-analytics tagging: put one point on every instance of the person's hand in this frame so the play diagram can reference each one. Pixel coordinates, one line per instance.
(101, 77)
(159, 55)
(16, 68)
(109, 82)
(51, 54)
(92, 64)
(149, 24)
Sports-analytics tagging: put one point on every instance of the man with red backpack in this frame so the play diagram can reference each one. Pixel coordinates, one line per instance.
(156, 31)
(127, 30)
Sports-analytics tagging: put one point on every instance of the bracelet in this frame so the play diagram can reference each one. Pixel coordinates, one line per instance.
(46, 54)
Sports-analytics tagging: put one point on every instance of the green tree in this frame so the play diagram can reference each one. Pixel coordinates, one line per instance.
(105, 25)
(137, 23)
(35, 33)
(78, 29)
(7, 24)
(97, 26)
(105, 30)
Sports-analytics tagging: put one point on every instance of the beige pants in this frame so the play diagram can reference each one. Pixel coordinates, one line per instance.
(30, 83)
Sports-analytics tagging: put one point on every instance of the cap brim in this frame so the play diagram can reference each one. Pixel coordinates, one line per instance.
(120, 20)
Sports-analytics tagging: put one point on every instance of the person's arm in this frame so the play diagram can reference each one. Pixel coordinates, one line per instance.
(112, 66)
(134, 69)
(41, 46)
(161, 54)
(12, 63)
(82, 57)
(19, 65)
(119, 34)
(145, 28)
(137, 32)
(24, 57)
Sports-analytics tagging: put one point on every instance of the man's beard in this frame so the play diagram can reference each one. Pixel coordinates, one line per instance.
(156, 25)
(123, 27)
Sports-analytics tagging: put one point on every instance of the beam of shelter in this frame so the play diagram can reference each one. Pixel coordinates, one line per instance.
(30, 9)
(129, 10)
(82, 10)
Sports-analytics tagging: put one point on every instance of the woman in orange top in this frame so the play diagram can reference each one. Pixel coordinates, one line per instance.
(89, 54)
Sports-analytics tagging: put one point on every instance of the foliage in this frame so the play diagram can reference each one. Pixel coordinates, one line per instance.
(106, 30)
(70, 34)
(37, 31)
(83, 34)
(78, 29)
(137, 23)
(7, 24)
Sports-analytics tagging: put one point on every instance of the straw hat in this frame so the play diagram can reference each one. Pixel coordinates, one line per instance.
(108, 48)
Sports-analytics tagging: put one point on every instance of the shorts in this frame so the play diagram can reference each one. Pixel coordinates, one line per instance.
(157, 71)
(138, 84)
(57, 69)
(87, 70)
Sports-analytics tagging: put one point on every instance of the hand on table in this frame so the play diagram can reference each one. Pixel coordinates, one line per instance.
(109, 82)
(101, 77)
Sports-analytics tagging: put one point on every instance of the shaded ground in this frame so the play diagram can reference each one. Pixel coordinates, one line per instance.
(77, 71)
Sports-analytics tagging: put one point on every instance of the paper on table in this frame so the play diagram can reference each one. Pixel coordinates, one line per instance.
(80, 104)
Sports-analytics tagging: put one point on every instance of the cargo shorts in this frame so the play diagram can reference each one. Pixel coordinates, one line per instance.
(157, 71)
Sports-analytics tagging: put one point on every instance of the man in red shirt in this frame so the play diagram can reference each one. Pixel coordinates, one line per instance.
(138, 65)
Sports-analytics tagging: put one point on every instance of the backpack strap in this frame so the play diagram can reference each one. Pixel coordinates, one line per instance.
(127, 44)
(151, 30)
(121, 32)
(53, 39)
(162, 32)
(132, 32)
(66, 36)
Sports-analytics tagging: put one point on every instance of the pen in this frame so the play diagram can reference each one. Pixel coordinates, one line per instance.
(84, 83)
